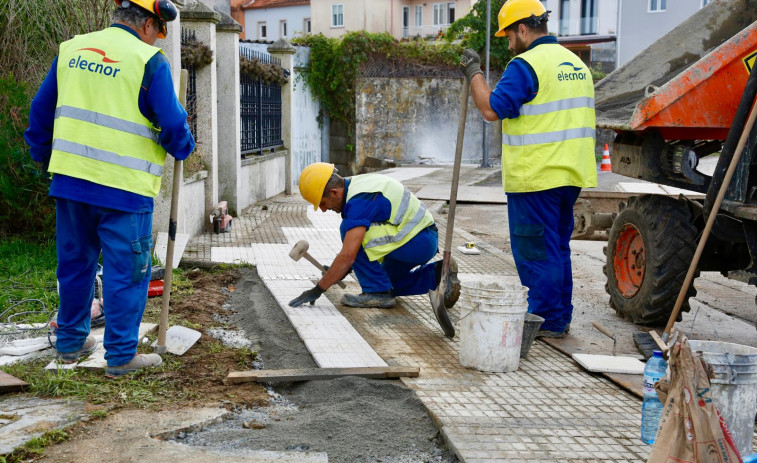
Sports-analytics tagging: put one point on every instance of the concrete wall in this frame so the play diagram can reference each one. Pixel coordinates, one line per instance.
(192, 212)
(306, 135)
(412, 120)
(293, 15)
(639, 27)
(262, 177)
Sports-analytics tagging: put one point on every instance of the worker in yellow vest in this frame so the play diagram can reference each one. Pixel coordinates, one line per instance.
(102, 121)
(545, 100)
(386, 233)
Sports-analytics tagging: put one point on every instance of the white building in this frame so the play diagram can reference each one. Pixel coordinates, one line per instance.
(272, 20)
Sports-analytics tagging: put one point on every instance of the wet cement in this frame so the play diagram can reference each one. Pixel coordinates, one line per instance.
(351, 419)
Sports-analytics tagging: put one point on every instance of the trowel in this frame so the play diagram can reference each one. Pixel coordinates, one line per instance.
(437, 296)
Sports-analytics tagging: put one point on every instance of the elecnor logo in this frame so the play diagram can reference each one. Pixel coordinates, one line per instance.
(92, 66)
(574, 75)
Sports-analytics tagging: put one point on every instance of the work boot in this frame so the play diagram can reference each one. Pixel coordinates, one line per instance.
(139, 361)
(90, 344)
(550, 334)
(382, 300)
(452, 291)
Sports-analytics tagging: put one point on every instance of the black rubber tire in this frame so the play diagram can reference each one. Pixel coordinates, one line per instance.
(669, 242)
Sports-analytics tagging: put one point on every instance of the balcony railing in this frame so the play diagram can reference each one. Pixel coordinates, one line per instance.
(424, 31)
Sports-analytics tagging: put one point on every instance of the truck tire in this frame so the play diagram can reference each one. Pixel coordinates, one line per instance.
(650, 247)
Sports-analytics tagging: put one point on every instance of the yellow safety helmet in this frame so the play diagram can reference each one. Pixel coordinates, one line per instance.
(313, 180)
(515, 10)
(163, 10)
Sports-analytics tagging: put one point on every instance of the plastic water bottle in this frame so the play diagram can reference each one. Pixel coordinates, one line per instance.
(651, 409)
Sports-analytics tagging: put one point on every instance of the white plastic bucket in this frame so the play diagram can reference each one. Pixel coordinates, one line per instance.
(734, 388)
(491, 334)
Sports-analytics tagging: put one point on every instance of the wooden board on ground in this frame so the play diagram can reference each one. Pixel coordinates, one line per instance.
(9, 383)
(316, 374)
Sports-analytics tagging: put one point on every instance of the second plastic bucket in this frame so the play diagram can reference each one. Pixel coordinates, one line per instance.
(491, 334)
(531, 325)
(734, 388)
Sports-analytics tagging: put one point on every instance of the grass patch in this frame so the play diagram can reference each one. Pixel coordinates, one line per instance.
(36, 446)
(27, 273)
(142, 389)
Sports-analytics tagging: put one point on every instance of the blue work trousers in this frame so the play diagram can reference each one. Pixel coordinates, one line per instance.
(396, 272)
(540, 227)
(125, 239)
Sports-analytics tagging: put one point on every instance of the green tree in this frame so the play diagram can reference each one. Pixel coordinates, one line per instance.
(471, 30)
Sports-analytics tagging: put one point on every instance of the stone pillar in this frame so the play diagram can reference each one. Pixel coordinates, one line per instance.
(229, 139)
(202, 21)
(284, 51)
(171, 46)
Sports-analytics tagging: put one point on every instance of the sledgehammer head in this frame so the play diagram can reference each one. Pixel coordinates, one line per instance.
(299, 250)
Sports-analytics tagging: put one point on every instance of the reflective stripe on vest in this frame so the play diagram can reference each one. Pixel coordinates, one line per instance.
(108, 156)
(99, 133)
(551, 143)
(406, 219)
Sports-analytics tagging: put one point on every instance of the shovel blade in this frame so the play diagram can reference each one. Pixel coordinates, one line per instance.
(440, 311)
(179, 339)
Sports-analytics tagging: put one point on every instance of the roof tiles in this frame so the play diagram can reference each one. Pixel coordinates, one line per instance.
(259, 4)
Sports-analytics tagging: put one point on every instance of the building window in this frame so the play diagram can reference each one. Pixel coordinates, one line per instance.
(588, 17)
(564, 22)
(657, 5)
(262, 30)
(418, 15)
(450, 13)
(337, 15)
(405, 17)
(283, 28)
(439, 14)
(306, 25)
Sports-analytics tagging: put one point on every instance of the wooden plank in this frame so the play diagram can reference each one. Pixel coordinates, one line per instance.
(317, 374)
(9, 383)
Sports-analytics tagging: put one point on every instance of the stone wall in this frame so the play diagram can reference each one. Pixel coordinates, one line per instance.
(416, 120)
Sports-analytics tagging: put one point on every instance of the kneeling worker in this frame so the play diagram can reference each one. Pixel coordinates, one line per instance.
(386, 233)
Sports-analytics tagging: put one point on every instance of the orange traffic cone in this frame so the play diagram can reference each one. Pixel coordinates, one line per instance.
(606, 165)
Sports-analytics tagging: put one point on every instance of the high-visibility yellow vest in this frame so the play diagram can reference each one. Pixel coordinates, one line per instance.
(408, 217)
(551, 143)
(99, 133)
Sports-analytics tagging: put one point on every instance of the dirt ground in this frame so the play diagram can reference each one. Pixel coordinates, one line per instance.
(350, 419)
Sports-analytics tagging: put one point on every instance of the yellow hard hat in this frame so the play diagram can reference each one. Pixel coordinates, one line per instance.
(163, 10)
(313, 180)
(515, 10)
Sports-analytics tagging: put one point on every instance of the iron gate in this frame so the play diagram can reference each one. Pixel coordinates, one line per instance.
(260, 108)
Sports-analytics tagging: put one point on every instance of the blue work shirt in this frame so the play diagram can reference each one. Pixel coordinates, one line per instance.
(363, 209)
(518, 85)
(157, 102)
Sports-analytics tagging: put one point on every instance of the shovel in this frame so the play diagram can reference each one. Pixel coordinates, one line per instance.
(437, 297)
(180, 339)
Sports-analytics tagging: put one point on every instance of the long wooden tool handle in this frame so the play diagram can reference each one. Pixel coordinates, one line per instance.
(711, 220)
(177, 171)
(603, 330)
(455, 179)
(320, 267)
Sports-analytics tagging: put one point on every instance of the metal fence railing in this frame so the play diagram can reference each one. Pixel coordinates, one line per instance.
(260, 108)
(191, 105)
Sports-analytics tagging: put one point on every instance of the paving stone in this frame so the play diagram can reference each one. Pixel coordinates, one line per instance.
(549, 410)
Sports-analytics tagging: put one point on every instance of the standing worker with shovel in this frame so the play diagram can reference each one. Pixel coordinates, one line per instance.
(386, 233)
(545, 100)
(102, 122)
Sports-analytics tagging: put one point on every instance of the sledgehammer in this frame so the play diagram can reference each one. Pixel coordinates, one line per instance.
(301, 250)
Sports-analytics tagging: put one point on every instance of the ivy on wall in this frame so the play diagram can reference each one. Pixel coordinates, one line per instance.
(335, 65)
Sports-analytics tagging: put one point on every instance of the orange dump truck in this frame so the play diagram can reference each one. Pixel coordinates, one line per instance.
(685, 97)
